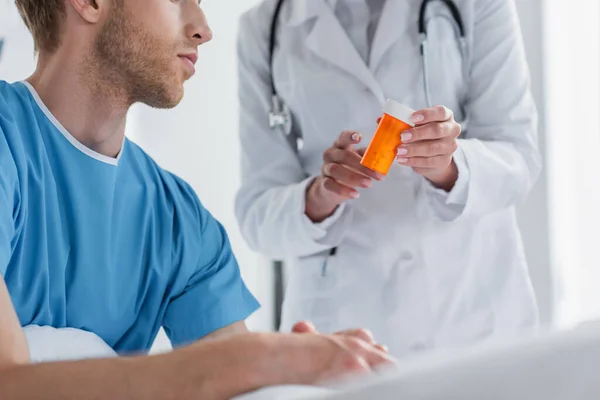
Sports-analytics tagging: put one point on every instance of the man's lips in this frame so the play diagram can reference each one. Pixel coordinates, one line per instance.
(192, 57)
(190, 61)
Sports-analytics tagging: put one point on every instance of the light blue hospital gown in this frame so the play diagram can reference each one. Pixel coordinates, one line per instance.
(117, 247)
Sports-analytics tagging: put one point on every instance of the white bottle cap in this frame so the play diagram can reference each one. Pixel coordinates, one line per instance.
(399, 111)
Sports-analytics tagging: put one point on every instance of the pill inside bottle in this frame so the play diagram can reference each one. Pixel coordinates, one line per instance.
(381, 153)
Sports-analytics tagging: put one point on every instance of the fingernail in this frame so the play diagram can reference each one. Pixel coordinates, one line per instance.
(354, 195)
(355, 137)
(366, 183)
(402, 151)
(403, 160)
(405, 137)
(418, 117)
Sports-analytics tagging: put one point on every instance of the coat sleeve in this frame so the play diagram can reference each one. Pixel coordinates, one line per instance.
(499, 161)
(270, 205)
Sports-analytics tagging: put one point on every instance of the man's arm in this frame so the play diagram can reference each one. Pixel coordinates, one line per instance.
(236, 328)
(189, 373)
(13, 345)
(210, 370)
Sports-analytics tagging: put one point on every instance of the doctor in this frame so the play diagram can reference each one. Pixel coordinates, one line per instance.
(429, 256)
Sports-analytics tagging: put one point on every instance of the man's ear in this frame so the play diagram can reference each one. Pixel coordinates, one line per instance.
(90, 10)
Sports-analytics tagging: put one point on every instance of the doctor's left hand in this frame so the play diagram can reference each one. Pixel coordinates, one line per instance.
(429, 147)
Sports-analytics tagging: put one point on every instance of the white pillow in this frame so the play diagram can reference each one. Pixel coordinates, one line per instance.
(50, 344)
(288, 393)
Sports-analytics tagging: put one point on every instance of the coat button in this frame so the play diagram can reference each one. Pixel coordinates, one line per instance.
(406, 256)
(418, 347)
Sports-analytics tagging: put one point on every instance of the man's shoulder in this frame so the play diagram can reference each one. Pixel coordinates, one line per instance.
(14, 100)
(179, 192)
(9, 94)
(11, 105)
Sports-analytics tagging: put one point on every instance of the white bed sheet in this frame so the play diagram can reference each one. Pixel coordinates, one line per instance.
(552, 366)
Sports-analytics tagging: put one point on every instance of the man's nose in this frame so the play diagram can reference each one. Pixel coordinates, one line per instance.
(197, 27)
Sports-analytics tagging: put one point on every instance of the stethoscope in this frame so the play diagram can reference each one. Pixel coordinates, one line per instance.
(280, 117)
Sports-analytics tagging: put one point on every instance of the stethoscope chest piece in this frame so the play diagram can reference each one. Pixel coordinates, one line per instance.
(280, 116)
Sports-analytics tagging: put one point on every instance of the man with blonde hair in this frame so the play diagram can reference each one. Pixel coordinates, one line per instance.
(95, 236)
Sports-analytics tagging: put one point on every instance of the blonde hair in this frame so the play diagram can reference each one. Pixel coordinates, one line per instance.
(44, 19)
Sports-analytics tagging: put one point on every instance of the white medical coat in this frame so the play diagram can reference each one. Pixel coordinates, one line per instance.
(421, 268)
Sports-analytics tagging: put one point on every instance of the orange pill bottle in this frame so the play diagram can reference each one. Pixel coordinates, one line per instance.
(381, 152)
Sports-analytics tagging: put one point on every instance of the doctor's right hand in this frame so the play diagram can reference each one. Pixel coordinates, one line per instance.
(341, 174)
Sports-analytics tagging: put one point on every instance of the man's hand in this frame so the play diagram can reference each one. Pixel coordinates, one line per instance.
(311, 358)
(341, 175)
(362, 334)
(429, 147)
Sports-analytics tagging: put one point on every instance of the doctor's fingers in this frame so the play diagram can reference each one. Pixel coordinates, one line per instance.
(431, 131)
(350, 159)
(436, 162)
(346, 176)
(432, 114)
(347, 139)
(339, 190)
(428, 148)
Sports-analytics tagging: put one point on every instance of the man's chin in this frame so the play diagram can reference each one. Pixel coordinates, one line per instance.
(167, 101)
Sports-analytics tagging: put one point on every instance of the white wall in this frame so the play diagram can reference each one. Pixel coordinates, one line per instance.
(573, 99)
(533, 215)
(17, 61)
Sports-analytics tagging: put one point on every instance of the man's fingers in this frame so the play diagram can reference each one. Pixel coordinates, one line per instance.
(350, 159)
(304, 327)
(377, 358)
(346, 176)
(361, 152)
(382, 348)
(361, 334)
(370, 353)
(347, 139)
(432, 114)
(431, 131)
(428, 148)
